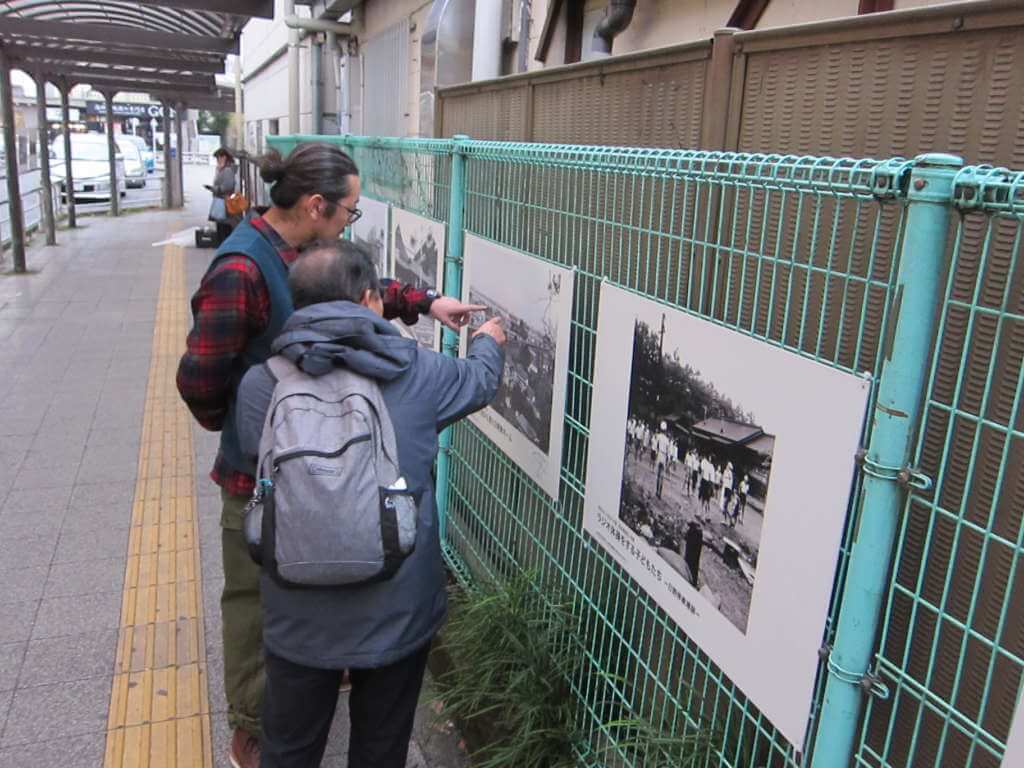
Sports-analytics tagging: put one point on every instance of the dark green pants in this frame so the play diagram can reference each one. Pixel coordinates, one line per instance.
(242, 620)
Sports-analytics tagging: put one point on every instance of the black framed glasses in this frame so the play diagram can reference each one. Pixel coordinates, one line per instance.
(354, 214)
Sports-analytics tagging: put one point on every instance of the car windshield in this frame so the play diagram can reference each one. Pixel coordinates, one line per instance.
(82, 150)
(130, 151)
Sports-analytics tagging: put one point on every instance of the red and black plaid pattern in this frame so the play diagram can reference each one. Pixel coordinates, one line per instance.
(232, 306)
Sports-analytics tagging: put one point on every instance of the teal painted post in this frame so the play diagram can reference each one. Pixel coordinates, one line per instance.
(895, 421)
(452, 287)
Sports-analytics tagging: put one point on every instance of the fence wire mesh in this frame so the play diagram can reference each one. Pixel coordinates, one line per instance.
(802, 253)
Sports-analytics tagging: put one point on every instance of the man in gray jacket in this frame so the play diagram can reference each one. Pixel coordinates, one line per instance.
(381, 632)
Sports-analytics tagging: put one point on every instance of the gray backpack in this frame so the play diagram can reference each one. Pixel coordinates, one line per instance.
(330, 507)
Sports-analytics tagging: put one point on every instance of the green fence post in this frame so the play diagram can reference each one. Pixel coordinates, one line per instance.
(886, 469)
(452, 287)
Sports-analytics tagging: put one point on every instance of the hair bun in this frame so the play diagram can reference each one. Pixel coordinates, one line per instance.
(272, 167)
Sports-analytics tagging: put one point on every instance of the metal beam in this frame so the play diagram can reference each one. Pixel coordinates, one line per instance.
(13, 187)
(38, 53)
(141, 80)
(116, 35)
(44, 161)
(257, 9)
(747, 13)
(547, 32)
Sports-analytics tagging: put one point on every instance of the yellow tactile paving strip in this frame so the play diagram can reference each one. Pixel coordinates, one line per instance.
(159, 708)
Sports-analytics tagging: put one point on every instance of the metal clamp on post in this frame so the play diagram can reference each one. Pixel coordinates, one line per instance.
(869, 683)
(908, 477)
(890, 178)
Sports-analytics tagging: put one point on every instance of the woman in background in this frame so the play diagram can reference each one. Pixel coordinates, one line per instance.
(223, 185)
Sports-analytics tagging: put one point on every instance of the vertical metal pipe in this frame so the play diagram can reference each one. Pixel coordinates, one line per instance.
(316, 52)
(11, 144)
(49, 225)
(331, 83)
(293, 70)
(115, 191)
(239, 109)
(179, 200)
(452, 287)
(487, 40)
(896, 419)
(65, 121)
(168, 160)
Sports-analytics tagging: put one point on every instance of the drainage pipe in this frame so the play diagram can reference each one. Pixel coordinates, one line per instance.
(316, 54)
(293, 69)
(616, 18)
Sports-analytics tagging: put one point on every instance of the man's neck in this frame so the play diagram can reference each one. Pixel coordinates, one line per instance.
(279, 220)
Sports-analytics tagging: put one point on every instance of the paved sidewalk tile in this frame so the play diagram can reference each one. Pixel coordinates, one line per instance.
(76, 752)
(85, 578)
(51, 712)
(68, 658)
(83, 613)
(11, 658)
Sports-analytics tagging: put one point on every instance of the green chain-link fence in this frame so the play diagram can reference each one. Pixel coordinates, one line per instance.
(907, 270)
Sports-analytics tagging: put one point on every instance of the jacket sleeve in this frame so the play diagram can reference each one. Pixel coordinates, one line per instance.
(468, 384)
(255, 394)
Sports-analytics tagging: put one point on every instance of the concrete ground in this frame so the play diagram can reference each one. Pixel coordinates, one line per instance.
(110, 646)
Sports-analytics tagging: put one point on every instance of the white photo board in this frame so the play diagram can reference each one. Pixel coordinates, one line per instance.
(1014, 756)
(373, 230)
(719, 476)
(534, 298)
(417, 248)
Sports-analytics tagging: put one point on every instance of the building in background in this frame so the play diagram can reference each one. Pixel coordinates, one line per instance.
(371, 66)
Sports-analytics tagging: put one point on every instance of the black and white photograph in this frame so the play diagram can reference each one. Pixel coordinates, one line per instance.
(418, 258)
(695, 475)
(534, 299)
(373, 231)
(719, 475)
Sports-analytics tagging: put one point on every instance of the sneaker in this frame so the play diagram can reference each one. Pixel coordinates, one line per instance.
(245, 750)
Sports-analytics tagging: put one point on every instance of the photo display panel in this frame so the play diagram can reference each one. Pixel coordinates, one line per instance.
(719, 475)
(417, 257)
(534, 298)
(373, 230)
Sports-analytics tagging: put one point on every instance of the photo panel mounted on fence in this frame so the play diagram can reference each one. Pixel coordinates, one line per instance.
(417, 247)
(534, 299)
(719, 476)
(373, 230)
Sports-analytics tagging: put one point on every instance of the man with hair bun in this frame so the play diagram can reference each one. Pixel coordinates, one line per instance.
(241, 305)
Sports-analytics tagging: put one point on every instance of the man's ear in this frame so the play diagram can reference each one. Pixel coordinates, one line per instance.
(366, 298)
(315, 206)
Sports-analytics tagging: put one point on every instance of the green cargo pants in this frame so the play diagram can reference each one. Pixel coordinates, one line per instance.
(242, 617)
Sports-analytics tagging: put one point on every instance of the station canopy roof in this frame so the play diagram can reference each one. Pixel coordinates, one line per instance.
(171, 49)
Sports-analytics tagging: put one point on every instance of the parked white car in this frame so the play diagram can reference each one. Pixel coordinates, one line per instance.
(89, 166)
(134, 164)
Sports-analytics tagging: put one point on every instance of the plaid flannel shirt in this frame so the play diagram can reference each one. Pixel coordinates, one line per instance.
(232, 306)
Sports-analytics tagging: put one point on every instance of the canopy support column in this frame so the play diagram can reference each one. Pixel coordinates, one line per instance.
(49, 224)
(13, 187)
(65, 119)
(115, 191)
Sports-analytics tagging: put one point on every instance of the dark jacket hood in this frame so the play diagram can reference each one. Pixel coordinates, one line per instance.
(321, 337)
